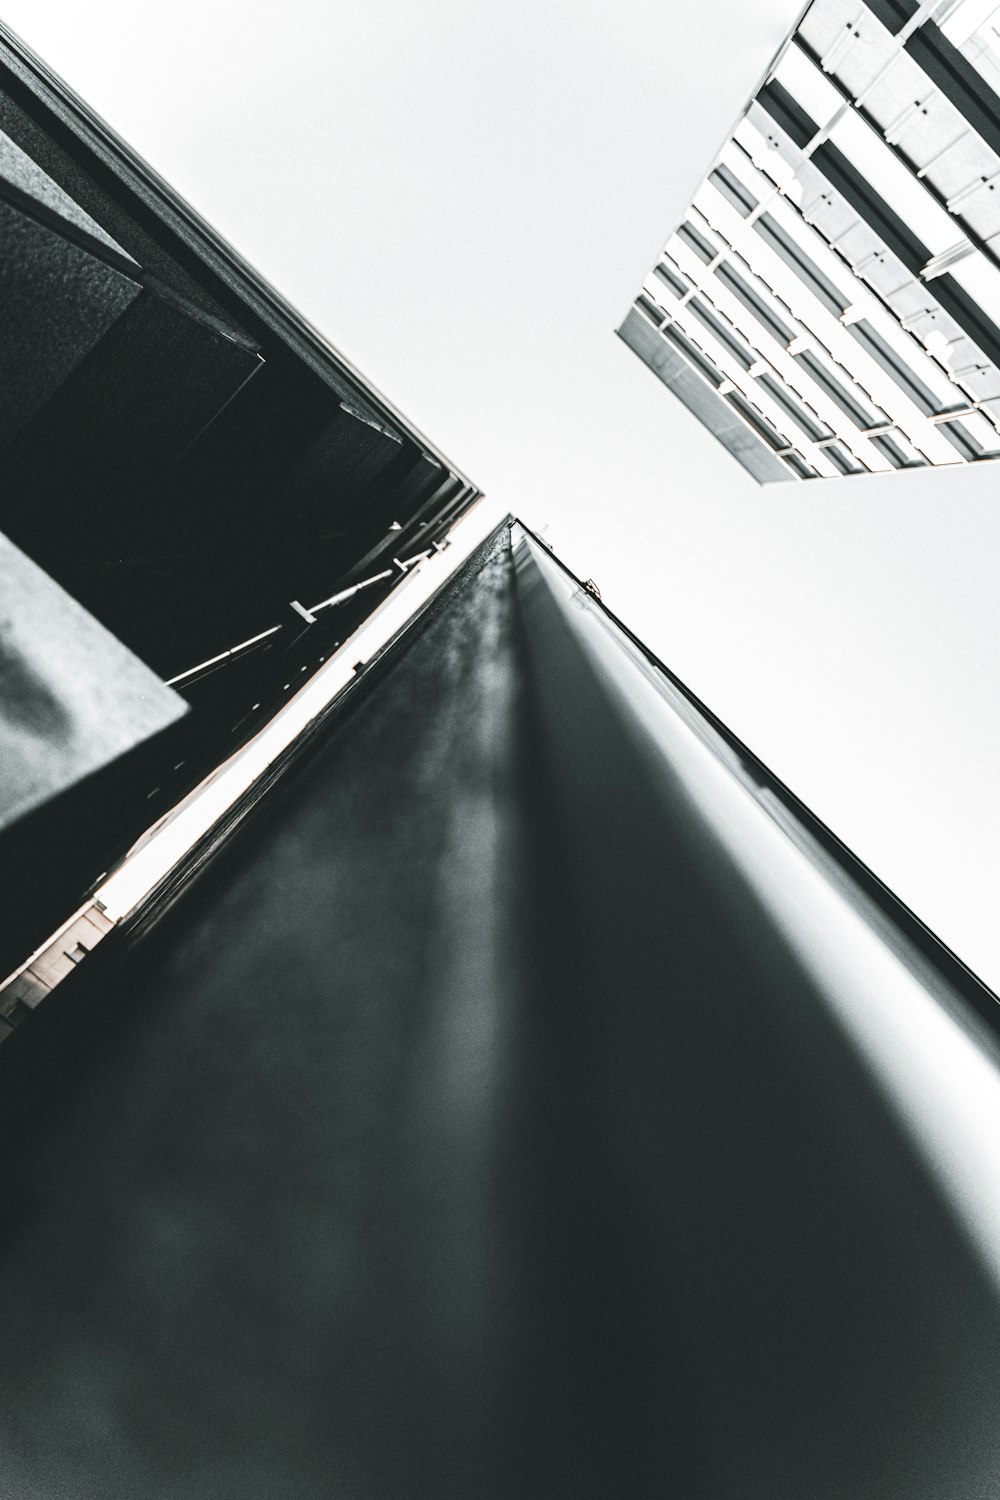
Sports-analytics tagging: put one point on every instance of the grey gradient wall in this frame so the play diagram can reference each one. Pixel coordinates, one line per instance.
(479, 1123)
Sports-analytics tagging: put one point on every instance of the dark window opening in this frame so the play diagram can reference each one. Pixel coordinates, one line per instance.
(861, 415)
(729, 340)
(798, 466)
(734, 283)
(772, 233)
(693, 355)
(960, 439)
(670, 279)
(968, 314)
(696, 242)
(895, 454)
(960, 83)
(843, 460)
(732, 190)
(753, 418)
(893, 365)
(787, 112)
(788, 403)
(851, 183)
(893, 14)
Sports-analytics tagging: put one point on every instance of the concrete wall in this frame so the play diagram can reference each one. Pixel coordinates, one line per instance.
(475, 1126)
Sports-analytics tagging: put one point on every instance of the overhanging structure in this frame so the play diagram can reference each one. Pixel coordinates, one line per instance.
(191, 463)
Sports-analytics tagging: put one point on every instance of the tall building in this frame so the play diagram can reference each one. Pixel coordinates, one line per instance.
(829, 303)
(528, 1096)
(474, 1073)
(194, 468)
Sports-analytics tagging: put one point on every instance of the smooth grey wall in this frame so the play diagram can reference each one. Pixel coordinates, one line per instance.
(475, 1126)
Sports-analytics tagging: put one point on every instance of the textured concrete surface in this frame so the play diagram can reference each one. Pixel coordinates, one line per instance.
(72, 698)
(26, 176)
(57, 302)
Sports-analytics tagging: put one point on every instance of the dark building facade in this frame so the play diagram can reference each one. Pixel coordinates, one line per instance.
(184, 456)
(529, 1097)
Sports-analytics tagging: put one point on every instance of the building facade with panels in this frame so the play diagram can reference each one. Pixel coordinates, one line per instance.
(830, 303)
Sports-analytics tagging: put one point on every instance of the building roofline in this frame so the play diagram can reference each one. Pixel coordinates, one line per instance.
(930, 947)
(198, 237)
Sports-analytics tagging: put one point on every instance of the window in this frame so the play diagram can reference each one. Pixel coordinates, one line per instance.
(897, 451)
(653, 313)
(798, 466)
(863, 416)
(724, 333)
(732, 188)
(696, 242)
(671, 279)
(754, 302)
(753, 418)
(802, 418)
(893, 365)
(844, 461)
(793, 255)
(693, 355)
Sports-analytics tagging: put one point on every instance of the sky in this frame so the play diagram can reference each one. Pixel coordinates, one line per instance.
(464, 196)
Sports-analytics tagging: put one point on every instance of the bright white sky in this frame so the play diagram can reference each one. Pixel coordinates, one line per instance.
(464, 195)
